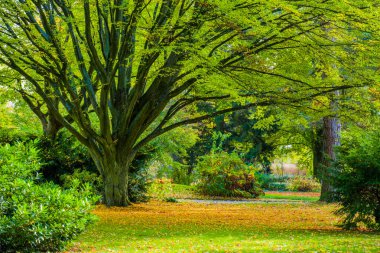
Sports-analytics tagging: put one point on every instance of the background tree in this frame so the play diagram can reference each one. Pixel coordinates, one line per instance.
(121, 70)
(20, 93)
(305, 130)
(242, 132)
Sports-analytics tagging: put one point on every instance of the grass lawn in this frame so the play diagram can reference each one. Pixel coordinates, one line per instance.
(304, 196)
(177, 191)
(189, 227)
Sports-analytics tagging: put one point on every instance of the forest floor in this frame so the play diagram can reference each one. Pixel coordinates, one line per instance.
(159, 226)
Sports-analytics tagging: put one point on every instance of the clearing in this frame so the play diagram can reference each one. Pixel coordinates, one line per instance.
(195, 227)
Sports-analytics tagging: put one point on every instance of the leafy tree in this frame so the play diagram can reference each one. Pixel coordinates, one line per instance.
(243, 132)
(303, 130)
(121, 70)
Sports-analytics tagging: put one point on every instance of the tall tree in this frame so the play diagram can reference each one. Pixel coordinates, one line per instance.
(121, 70)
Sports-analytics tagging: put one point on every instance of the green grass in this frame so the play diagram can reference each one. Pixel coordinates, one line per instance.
(178, 191)
(289, 197)
(183, 227)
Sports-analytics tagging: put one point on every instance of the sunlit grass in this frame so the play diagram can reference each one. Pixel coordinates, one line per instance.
(304, 196)
(187, 227)
(178, 191)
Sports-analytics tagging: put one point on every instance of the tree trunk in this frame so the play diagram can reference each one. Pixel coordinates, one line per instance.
(317, 147)
(330, 139)
(116, 188)
(51, 127)
(377, 215)
(114, 168)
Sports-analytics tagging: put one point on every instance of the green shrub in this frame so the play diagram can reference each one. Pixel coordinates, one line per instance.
(223, 174)
(303, 184)
(171, 200)
(277, 186)
(272, 182)
(263, 179)
(181, 174)
(37, 217)
(82, 177)
(63, 156)
(357, 180)
(139, 183)
(161, 188)
(12, 136)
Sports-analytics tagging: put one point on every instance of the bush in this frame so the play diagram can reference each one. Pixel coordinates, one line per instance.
(161, 188)
(63, 156)
(37, 217)
(272, 182)
(277, 186)
(82, 177)
(303, 184)
(357, 180)
(182, 175)
(139, 183)
(223, 174)
(12, 136)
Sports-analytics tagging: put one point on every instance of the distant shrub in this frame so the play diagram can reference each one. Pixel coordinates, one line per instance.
(37, 217)
(357, 180)
(303, 184)
(263, 179)
(277, 186)
(171, 200)
(272, 182)
(223, 174)
(181, 175)
(161, 188)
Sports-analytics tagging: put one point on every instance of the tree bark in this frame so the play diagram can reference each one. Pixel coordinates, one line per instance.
(51, 127)
(330, 139)
(116, 188)
(114, 166)
(377, 215)
(317, 147)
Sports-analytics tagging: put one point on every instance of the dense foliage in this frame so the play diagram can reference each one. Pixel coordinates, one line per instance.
(35, 216)
(244, 132)
(223, 174)
(62, 156)
(357, 180)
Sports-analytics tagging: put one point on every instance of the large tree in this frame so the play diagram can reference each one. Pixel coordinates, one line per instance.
(121, 69)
